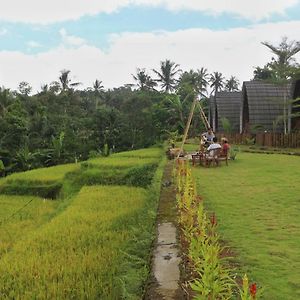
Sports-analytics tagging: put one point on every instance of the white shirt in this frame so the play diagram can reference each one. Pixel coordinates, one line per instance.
(213, 147)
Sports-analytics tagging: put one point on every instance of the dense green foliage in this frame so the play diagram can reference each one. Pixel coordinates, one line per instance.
(256, 199)
(64, 125)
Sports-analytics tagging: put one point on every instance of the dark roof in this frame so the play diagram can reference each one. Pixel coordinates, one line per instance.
(265, 102)
(228, 106)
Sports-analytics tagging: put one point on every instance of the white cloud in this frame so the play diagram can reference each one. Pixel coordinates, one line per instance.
(232, 52)
(70, 40)
(43, 12)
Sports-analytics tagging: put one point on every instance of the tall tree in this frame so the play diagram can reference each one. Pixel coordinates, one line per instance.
(217, 83)
(283, 65)
(194, 81)
(66, 81)
(98, 87)
(167, 75)
(283, 68)
(232, 84)
(144, 81)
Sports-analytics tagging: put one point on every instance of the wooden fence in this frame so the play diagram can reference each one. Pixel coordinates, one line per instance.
(291, 140)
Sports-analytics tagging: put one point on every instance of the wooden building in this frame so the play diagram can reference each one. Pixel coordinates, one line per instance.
(260, 107)
(295, 123)
(265, 107)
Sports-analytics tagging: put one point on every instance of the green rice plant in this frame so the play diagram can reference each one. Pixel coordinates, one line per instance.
(44, 182)
(20, 216)
(117, 162)
(141, 153)
(45, 175)
(22, 187)
(76, 255)
(140, 175)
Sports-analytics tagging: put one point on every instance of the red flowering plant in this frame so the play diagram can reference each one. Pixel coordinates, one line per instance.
(248, 292)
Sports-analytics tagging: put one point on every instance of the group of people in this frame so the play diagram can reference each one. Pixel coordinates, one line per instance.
(209, 142)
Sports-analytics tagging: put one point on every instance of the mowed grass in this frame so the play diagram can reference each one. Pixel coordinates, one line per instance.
(257, 202)
(77, 254)
(19, 216)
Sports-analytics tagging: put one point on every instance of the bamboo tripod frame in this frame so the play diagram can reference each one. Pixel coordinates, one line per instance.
(188, 124)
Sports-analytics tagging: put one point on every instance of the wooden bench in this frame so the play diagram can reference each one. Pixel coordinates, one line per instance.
(217, 156)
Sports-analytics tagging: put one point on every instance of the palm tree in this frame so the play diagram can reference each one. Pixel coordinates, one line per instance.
(168, 71)
(66, 81)
(232, 84)
(197, 81)
(98, 92)
(202, 81)
(283, 68)
(285, 51)
(217, 83)
(98, 87)
(144, 81)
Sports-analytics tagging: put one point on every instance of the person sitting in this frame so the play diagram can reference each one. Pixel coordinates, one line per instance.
(208, 136)
(214, 146)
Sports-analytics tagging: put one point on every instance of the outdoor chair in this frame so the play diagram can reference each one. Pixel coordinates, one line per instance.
(216, 157)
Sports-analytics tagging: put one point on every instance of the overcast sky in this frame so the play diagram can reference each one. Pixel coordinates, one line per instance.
(108, 40)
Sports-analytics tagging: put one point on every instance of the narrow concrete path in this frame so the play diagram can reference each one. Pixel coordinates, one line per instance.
(165, 273)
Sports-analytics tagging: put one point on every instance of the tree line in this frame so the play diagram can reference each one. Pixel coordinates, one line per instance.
(62, 123)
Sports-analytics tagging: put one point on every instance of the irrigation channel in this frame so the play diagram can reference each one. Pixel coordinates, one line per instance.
(164, 282)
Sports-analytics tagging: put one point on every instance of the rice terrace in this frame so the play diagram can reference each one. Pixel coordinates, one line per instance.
(167, 183)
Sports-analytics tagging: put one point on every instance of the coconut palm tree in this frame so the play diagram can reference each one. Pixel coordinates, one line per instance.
(144, 81)
(283, 68)
(232, 84)
(197, 81)
(98, 87)
(285, 51)
(283, 61)
(167, 74)
(217, 83)
(66, 81)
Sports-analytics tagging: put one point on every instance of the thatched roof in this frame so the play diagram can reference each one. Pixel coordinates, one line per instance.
(228, 106)
(263, 105)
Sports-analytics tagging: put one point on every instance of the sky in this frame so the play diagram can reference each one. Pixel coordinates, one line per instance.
(108, 40)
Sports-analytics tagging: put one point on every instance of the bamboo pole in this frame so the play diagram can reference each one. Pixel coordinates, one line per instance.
(187, 127)
(203, 117)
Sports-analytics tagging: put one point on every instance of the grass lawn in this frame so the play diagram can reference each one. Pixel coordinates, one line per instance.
(257, 202)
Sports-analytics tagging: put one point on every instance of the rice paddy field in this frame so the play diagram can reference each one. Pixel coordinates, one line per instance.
(91, 244)
(257, 203)
(45, 175)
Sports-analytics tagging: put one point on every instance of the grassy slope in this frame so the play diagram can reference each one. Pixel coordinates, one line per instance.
(257, 202)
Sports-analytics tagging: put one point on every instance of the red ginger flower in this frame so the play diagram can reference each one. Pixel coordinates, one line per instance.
(213, 219)
(253, 290)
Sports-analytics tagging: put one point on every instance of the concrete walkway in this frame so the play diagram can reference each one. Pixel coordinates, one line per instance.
(165, 273)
